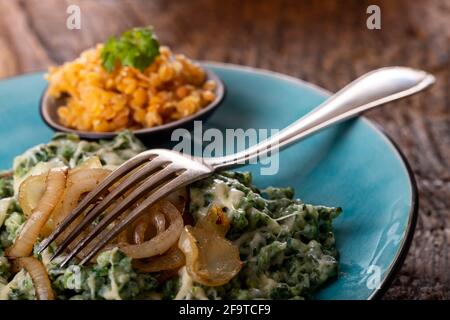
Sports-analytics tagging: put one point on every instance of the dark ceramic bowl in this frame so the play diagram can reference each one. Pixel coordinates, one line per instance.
(49, 106)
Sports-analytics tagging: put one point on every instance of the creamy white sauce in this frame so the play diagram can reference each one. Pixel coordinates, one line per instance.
(267, 284)
(113, 292)
(246, 236)
(4, 206)
(18, 280)
(223, 197)
(288, 221)
(39, 168)
(111, 158)
(91, 285)
(258, 241)
(187, 289)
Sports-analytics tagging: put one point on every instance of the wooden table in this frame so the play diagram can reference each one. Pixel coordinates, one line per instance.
(324, 42)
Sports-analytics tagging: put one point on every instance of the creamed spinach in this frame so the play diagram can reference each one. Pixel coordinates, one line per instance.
(287, 247)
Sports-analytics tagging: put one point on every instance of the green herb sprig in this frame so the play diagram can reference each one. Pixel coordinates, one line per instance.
(136, 48)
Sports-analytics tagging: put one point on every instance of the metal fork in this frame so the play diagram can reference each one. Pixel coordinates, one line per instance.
(153, 174)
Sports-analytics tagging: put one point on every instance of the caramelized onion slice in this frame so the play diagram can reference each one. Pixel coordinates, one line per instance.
(30, 192)
(172, 259)
(125, 236)
(161, 242)
(215, 220)
(211, 259)
(159, 221)
(54, 187)
(90, 163)
(39, 275)
(79, 182)
(139, 232)
(143, 226)
(178, 198)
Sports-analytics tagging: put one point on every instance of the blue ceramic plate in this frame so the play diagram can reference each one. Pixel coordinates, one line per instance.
(353, 165)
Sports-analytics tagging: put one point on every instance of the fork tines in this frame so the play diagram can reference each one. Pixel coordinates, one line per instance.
(150, 174)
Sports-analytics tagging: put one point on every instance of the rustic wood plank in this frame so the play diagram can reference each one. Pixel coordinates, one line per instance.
(22, 49)
(325, 42)
(99, 20)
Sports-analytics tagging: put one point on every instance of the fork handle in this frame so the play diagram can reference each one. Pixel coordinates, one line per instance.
(370, 90)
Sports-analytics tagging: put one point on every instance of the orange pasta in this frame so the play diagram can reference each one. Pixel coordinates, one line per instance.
(170, 88)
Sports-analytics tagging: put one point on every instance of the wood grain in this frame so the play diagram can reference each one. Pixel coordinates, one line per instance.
(324, 42)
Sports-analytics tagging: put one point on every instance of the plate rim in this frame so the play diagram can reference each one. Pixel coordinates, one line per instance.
(405, 245)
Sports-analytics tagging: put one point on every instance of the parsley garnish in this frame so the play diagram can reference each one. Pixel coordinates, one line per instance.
(136, 48)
